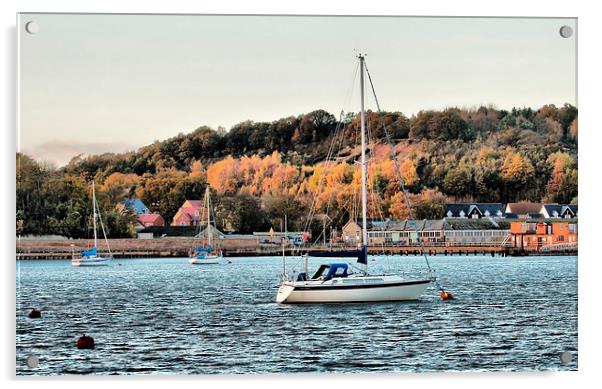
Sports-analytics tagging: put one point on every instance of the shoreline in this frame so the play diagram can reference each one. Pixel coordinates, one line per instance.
(50, 249)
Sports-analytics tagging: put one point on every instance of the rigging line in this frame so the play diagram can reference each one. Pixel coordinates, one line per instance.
(340, 128)
(373, 193)
(398, 171)
(321, 183)
(339, 131)
(102, 226)
(340, 122)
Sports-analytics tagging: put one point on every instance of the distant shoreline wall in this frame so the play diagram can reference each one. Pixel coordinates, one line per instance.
(247, 246)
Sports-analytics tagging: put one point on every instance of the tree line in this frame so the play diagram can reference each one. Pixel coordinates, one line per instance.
(258, 172)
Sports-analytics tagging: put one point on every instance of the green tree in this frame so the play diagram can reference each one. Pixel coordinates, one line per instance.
(457, 182)
(241, 213)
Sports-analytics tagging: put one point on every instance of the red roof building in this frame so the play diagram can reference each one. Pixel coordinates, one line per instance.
(151, 220)
(189, 214)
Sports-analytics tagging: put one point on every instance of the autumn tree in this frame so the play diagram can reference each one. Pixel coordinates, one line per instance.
(119, 186)
(518, 174)
(562, 186)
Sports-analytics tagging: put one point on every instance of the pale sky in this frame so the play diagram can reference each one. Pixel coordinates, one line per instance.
(97, 83)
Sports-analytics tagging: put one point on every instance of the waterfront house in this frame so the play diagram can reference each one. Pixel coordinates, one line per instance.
(535, 235)
(189, 214)
(452, 231)
(133, 205)
(352, 232)
(405, 232)
(559, 211)
(151, 220)
(474, 210)
(476, 231)
(523, 210)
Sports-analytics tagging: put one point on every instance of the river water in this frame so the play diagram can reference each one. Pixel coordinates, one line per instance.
(165, 316)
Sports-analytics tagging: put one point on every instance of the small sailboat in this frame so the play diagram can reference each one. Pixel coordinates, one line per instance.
(334, 282)
(205, 255)
(91, 257)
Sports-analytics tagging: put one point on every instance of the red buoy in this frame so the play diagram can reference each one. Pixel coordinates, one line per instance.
(85, 342)
(446, 295)
(34, 314)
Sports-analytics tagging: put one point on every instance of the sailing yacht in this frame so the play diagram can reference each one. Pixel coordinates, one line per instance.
(334, 282)
(204, 255)
(91, 257)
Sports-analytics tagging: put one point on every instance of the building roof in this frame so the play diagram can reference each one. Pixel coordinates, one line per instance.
(464, 209)
(149, 218)
(135, 205)
(193, 204)
(407, 225)
(182, 213)
(476, 224)
(559, 210)
(524, 208)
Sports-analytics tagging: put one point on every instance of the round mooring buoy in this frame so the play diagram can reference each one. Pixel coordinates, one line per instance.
(85, 342)
(34, 314)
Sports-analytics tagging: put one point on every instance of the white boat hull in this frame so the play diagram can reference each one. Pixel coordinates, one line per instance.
(352, 289)
(92, 261)
(208, 260)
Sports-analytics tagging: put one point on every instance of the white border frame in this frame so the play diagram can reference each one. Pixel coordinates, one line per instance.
(589, 264)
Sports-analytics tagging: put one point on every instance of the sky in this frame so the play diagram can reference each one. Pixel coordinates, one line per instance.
(112, 83)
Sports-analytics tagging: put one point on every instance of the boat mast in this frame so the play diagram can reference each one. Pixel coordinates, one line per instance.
(208, 217)
(364, 171)
(94, 214)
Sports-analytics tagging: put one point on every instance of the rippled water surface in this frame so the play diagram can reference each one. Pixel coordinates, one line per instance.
(164, 316)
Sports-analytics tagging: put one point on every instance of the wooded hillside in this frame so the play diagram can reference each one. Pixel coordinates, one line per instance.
(260, 171)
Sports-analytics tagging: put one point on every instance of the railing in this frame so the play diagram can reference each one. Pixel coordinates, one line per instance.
(416, 244)
(572, 246)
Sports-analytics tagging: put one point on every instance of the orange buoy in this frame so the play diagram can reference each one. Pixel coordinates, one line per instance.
(446, 295)
(85, 342)
(34, 314)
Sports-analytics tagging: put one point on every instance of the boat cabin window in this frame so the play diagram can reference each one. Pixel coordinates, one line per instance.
(334, 270)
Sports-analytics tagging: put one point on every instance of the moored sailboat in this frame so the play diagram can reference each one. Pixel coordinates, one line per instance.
(334, 282)
(91, 257)
(205, 255)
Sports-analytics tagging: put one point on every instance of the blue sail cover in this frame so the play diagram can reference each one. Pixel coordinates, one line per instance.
(202, 249)
(361, 254)
(337, 270)
(89, 253)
